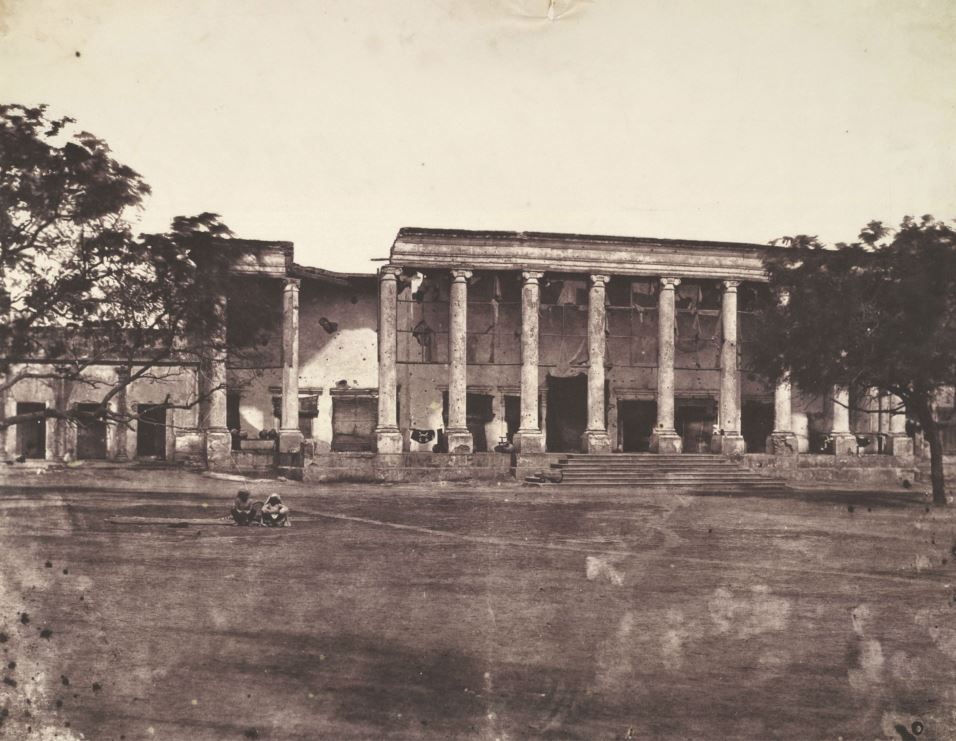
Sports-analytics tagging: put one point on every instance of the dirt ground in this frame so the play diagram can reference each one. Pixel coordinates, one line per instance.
(490, 613)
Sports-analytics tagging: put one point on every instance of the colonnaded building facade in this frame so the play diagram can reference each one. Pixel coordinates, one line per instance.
(475, 354)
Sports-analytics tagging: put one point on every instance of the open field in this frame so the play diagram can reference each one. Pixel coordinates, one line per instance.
(502, 613)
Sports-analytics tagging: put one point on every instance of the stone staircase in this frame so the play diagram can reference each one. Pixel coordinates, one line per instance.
(689, 472)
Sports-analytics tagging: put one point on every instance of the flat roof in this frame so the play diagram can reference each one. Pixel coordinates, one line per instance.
(415, 232)
(416, 247)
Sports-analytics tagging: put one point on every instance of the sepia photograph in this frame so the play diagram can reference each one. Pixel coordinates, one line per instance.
(477, 369)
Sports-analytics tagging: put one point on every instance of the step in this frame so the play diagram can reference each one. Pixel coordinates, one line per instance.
(670, 472)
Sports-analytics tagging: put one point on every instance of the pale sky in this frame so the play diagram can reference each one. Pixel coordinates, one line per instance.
(332, 123)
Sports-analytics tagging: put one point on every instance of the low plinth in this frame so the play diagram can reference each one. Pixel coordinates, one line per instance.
(782, 443)
(388, 440)
(844, 443)
(596, 441)
(529, 441)
(729, 444)
(666, 442)
(218, 447)
(459, 440)
(290, 441)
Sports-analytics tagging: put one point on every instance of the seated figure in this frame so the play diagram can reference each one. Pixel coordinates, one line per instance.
(275, 513)
(244, 510)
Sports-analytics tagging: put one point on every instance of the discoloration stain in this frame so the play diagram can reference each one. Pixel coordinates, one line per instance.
(938, 622)
(757, 613)
(672, 645)
(865, 654)
(599, 568)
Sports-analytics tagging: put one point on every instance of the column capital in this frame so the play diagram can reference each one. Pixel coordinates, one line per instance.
(460, 275)
(731, 285)
(670, 282)
(599, 281)
(531, 276)
(290, 283)
(389, 272)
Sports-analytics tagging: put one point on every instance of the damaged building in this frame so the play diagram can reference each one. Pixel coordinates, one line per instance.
(473, 354)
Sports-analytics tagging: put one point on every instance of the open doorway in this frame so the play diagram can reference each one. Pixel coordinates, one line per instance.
(512, 416)
(567, 412)
(90, 434)
(31, 436)
(695, 420)
(756, 424)
(478, 413)
(151, 431)
(635, 420)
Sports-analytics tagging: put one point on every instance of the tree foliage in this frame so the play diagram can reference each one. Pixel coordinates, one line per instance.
(878, 313)
(79, 289)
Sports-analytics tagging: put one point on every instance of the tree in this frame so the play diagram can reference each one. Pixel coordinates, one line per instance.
(877, 313)
(79, 290)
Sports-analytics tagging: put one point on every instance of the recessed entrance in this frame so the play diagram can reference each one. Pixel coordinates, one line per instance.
(567, 413)
(695, 420)
(512, 416)
(151, 431)
(478, 413)
(636, 419)
(90, 433)
(31, 436)
(756, 424)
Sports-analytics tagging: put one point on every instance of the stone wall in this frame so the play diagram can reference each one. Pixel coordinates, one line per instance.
(410, 467)
(176, 383)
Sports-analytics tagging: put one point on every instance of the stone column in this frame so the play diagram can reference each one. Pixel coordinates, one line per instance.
(290, 438)
(729, 441)
(782, 440)
(122, 408)
(6, 451)
(898, 442)
(388, 438)
(844, 441)
(595, 438)
(529, 438)
(218, 439)
(459, 438)
(665, 439)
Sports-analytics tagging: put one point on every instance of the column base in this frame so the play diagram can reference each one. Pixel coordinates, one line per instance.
(844, 443)
(529, 441)
(459, 440)
(666, 442)
(731, 443)
(218, 446)
(782, 443)
(596, 441)
(290, 441)
(899, 445)
(388, 440)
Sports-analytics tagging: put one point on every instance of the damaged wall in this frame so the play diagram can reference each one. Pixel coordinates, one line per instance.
(177, 384)
(337, 342)
(494, 352)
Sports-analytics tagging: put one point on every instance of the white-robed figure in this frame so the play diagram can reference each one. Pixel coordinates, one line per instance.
(275, 513)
